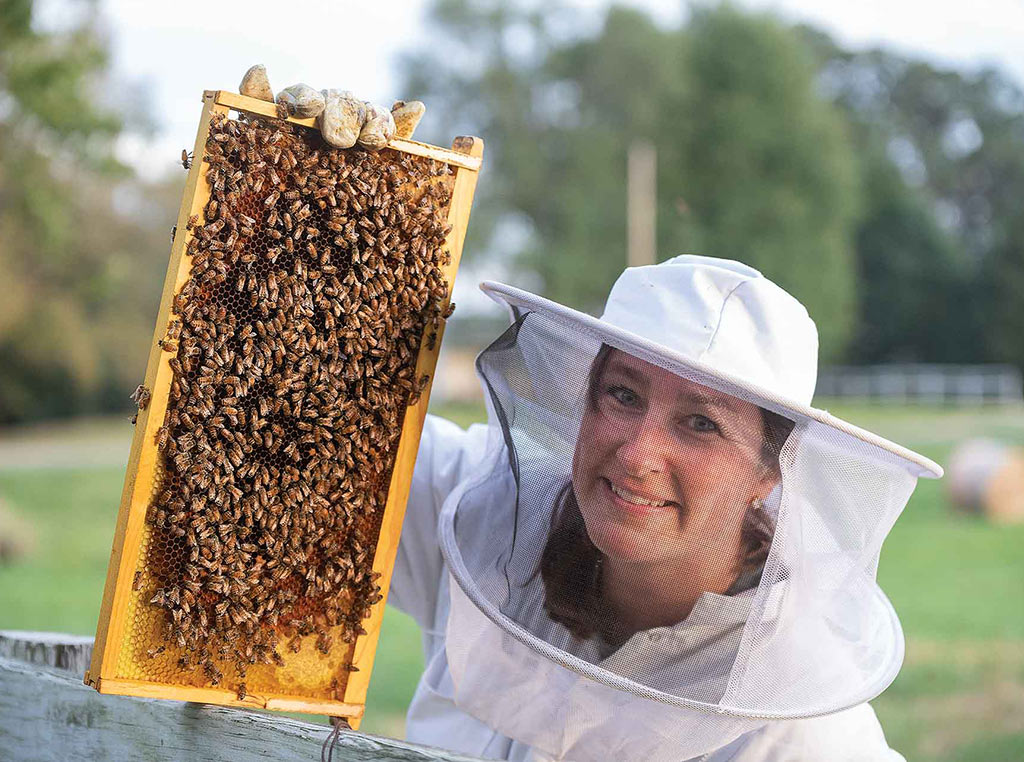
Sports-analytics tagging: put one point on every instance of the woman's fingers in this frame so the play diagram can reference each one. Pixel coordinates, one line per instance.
(302, 101)
(378, 128)
(407, 115)
(342, 118)
(256, 85)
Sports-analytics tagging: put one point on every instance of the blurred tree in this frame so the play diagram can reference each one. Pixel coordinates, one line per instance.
(907, 265)
(1005, 282)
(595, 96)
(752, 163)
(554, 177)
(940, 244)
(767, 166)
(78, 297)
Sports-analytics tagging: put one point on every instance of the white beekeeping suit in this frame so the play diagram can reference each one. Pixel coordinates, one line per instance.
(655, 550)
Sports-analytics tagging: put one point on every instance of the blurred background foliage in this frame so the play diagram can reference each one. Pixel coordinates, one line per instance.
(879, 189)
(83, 243)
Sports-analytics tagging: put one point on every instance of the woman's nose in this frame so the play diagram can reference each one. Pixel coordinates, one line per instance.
(644, 450)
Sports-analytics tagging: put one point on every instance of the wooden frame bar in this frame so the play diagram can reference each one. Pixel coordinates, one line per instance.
(465, 157)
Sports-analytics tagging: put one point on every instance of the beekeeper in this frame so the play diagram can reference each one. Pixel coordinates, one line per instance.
(655, 549)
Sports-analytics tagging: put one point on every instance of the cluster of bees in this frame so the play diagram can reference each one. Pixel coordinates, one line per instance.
(315, 275)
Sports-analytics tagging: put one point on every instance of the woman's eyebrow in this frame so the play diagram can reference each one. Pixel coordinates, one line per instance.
(624, 370)
(705, 399)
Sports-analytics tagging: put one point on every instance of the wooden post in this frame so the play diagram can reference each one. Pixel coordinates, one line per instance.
(48, 715)
(642, 203)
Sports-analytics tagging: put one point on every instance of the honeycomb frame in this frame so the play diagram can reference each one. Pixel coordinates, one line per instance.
(111, 670)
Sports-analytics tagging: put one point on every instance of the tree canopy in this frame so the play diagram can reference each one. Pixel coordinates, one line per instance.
(877, 188)
(880, 189)
(79, 275)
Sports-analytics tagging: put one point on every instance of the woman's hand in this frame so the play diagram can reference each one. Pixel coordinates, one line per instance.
(343, 119)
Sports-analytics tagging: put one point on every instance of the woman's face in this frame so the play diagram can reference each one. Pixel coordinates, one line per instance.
(666, 468)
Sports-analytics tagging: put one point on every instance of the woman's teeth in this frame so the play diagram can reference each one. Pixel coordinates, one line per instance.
(636, 499)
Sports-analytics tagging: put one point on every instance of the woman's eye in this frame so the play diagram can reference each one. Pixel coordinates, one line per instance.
(702, 423)
(624, 396)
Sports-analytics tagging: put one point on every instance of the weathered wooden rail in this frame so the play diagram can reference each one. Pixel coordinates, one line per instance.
(47, 713)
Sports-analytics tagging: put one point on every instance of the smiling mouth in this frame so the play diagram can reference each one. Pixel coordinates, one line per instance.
(635, 499)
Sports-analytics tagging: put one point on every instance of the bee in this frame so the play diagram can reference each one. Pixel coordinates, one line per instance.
(186, 158)
(213, 674)
(241, 692)
(323, 644)
(137, 581)
(174, 232)
(141, 397)
(192, 222)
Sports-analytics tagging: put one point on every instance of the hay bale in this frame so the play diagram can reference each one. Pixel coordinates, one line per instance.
(986, 477)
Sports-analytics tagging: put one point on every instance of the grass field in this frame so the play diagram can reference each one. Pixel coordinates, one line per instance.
(957, 582)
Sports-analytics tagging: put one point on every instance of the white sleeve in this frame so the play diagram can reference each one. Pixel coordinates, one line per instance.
(446, 455)
(853, 735)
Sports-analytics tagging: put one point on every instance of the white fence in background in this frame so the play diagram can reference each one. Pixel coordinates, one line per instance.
(922, 384)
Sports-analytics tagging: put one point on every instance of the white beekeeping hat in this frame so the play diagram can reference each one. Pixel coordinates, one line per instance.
(667, 546)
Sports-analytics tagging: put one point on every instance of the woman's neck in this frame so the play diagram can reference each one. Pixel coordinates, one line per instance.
(642, 596)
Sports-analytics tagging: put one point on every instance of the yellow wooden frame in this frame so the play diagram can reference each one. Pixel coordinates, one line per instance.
(465, 158)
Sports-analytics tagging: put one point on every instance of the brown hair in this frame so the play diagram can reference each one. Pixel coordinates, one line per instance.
(570, 564)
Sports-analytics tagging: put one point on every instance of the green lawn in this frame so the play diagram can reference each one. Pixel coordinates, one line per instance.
(957, 583)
